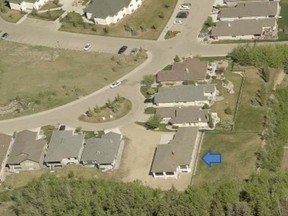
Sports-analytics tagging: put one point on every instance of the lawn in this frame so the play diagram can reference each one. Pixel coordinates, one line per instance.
(284, 165)
(12, 16)
(53, 82)
(171, 34)
(283, 21)
(146, 23)
(48, 15)
(238, 157)
(49, 5)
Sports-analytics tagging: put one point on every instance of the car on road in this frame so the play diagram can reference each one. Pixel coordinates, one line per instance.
(185, 6)
(182, 14)
(122, 50)
(4, 36)
(134, 51)
(62, 127)
(115, 84)
(177, 22)
(87, 46)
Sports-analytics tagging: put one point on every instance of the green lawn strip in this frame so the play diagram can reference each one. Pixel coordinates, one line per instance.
(146, 23)
(12, 16)
(171, 34)
(238, 157)
(49, 5)
(50, 15)
(53, 82)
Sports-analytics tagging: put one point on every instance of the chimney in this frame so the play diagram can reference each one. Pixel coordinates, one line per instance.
(187, 70)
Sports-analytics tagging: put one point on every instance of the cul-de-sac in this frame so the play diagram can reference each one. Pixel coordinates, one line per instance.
(143, 107)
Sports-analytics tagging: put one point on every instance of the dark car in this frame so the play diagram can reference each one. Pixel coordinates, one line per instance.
(182, 14)
(148, 100)
(4, 36)
(122, 50)
(62, 127)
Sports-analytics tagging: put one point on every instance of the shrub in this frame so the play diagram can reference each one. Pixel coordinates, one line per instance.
(177, 59)
(150, 110)
(153, 122)
(188, 82)
(151, 91)
(228, 110)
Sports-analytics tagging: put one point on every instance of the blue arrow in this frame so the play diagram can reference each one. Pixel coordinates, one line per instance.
(210, 158)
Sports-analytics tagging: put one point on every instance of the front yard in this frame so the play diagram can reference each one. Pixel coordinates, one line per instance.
(146, 23)
(50, 15)
(12, 16)
(53, 82)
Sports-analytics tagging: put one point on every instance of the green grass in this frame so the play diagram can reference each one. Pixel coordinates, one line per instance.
(49, 15)
(147, 22)
(238, 157)
(171, 34)
(12, 16)
(50, 5)
(283, 21)
(53, 82)
(47, 130)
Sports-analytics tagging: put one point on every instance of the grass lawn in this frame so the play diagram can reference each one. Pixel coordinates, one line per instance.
(123, 109)
(283, 21)
(53, 82)
(49, 15)
(12, 16)
(238, 157)
(284, 165)
(49, 5)
(146, 23)
(171, 34)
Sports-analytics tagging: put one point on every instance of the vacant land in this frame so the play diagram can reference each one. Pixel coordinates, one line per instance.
(11, 15)
(238, 157)
(146, 23)
(38, 78)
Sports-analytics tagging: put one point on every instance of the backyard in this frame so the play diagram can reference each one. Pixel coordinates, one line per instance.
(53, 82)
(146, 23)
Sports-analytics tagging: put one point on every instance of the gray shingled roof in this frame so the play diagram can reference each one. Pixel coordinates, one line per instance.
(186, 93)
(103, 150)
(242, 27)
(26, 147)
(4, 146)
(190, 69)
(250, 9)
(178, 152)
(64, 144)
(105, 8)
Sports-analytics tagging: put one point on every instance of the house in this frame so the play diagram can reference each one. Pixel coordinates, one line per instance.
(102, 152)
(187, 95)
(27, 152)
(26, 5)
(191, 69)
(245, 29)
(187, 116)
(176, 157)
(106, 12)
(5, 145)
(250, 10)
(64, 148)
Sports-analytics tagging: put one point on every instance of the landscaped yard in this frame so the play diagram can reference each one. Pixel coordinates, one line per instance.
(11, 15)
(238, 157)
(146, 23)
(50, 15)
(53, 82)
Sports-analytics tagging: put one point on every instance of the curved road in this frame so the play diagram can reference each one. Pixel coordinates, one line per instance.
(160, 54)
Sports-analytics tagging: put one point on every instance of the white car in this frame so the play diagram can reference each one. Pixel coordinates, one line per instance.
(177, 22)
(115, 84)
(87, 46)
(185, 6)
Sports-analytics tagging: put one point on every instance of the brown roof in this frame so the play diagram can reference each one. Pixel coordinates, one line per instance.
(178, 152)
(242, 27)
(250, 9)
(189, 69)
(26, 147)
(5, 141)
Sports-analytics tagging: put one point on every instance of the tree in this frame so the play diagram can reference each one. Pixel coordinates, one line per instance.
(34, 12)
(109, 104)
(78, 129)
(97, 109)
(177, 59)
(148, 80)
(89, 112)
(153, 122)
(151, 91)
(119, 99)
(209, 21)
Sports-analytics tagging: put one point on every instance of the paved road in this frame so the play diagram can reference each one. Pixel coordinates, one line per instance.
(161, 53)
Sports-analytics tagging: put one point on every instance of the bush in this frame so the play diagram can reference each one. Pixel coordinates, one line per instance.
(188, 82)
(153, 122)
(151, 91)
(228, 110)
(177, 59)
(206, 106)
(150, 110)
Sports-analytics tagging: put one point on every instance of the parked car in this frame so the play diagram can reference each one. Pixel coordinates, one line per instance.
(134, 51)
(185, 6)
(87, 46)
(122, 50)
(177, 22)
(115, 84)
(148, 100)
(62, 127)
(182, 14)
(4, 36)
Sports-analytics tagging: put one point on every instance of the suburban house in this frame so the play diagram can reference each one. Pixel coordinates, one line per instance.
(105, 12)
(191, 69)
(176, 156)
(64, 148)
(26, 5)
(250, 10)
(102, 152)
(245, 29)
(186, 95)
(187, 116)
(27, 152)
(5, 145)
